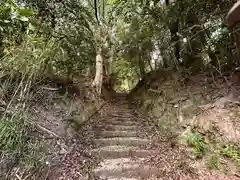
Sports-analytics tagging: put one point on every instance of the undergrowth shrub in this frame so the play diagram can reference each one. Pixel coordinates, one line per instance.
(15, 138)
(196, 141)
(29, 58)
(21, 66)
(231, 151)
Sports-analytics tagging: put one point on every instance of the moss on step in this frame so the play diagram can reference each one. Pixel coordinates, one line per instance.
(73, 123)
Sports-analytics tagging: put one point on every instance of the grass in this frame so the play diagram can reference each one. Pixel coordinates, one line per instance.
(225, 150)
(20, 66)
(230, 151)
(15, 140)
(196, 141)
(214, 155)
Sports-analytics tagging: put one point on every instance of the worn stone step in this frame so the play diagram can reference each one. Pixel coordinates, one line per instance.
(117, 178)
(125, 167)
(123, 115)
(124, 141)
(119, 122)
(116, 127)
(107, 133)
(111, 152)
(129, 178)
(120, 118)
(126, 113)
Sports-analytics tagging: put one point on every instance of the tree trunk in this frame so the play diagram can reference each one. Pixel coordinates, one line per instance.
(99, 72)
(141, 67)
(173, 27)
(1, 46)
(192, 56)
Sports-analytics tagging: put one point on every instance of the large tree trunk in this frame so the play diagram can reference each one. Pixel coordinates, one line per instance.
(98, 80)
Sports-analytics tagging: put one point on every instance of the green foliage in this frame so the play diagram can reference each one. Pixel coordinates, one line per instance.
(16, 143)
(231, 151)
(29, 57)
(14, 21)
(13, 133)
(56, 38)
(126, 74)
(20, 67)
(137, 37)
(192, 39)
(195, 140)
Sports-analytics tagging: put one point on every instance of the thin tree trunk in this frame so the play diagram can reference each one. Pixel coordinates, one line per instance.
(98, 80)
(141, 67)
(1, 46)
(196, 44)
(106, 67)
(173, 27)
(150, 63)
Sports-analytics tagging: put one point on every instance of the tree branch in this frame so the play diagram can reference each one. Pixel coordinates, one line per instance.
(96, 11)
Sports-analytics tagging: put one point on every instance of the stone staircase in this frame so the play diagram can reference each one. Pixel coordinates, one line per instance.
(120, 148)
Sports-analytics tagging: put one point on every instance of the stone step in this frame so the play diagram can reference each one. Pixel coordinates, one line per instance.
(129, 178)
(125, 167)
(124, 141)
(118, 122)
(117, 178)
(111, 152)
(122, 115)
(120, 118)
(127, 112)
(116, 127)
(107, 133)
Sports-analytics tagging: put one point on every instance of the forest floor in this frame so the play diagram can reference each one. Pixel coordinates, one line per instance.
(179, 132)
(122, 143)
(201, 117)
(128, 145)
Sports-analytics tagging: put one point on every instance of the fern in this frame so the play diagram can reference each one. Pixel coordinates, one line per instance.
(196, 141)
(231, 151)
